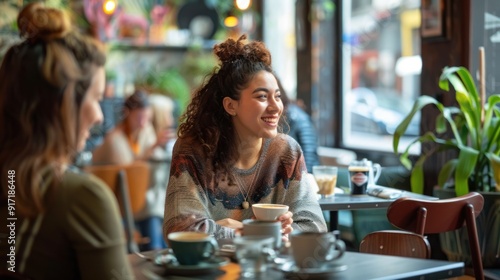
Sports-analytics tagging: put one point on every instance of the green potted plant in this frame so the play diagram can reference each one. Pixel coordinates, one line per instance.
(472, 130)
(475, 135)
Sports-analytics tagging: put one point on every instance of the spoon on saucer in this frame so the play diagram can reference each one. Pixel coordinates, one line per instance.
(140, 255)
(168, 252)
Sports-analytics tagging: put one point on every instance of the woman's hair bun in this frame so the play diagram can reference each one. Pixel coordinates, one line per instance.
(36, 21)
(231, 50)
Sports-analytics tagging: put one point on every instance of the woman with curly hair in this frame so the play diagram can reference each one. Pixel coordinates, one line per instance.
(229, 154)
(64, 224)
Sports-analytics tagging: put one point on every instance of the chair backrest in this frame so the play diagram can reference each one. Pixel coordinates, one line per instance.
(396, 243)
(137, 177)
(129, 183)
(437, 216)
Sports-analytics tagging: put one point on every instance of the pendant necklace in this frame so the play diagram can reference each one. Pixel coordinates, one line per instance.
(245, 204)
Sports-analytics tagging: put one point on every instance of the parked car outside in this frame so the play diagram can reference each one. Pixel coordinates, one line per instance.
(379, 111)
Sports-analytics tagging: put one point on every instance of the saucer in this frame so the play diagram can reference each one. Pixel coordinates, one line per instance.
(290, 269)
(204, 267)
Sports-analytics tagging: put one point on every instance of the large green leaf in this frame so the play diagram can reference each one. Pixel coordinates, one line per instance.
(490, 106)
(467, 159)
(427, 137)
(492, 124)
(447, 114)
(417, 176)
(446, 171)
(421, 102)
(467, 97)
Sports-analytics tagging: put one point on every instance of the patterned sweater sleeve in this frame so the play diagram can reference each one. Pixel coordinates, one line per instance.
(186, 202)
(301, 196)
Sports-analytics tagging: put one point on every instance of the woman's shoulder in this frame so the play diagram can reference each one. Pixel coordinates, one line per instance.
(286, 142)
(82, 186)
(187, 146)
(284, 147)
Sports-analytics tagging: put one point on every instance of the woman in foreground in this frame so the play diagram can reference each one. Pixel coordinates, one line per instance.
(67, 224)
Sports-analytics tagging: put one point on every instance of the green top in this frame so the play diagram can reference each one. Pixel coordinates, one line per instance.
(80, 235)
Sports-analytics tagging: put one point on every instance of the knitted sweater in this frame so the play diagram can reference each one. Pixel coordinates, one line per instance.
(193, 203)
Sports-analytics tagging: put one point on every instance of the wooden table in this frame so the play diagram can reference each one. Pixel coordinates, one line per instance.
(350, 202)
(359, 266)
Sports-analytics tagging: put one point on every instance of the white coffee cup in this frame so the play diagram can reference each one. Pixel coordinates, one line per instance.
(315, 250)
(268, 211)
(263, 228)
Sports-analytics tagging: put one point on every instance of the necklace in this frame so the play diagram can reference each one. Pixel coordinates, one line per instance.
(245, 204)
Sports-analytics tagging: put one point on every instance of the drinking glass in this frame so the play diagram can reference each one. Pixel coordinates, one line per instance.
(326, 178)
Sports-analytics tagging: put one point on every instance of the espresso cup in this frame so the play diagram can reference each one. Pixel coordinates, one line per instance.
(268, 211)
(263, 228)
(315, 250)
(191, 248)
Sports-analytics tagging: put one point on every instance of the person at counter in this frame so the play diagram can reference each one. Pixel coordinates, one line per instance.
(229, 154)
(66, 224)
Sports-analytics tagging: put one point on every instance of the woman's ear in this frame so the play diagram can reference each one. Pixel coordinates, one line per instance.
(230, 105)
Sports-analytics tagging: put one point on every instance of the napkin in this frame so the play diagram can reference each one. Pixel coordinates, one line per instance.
(384, 192)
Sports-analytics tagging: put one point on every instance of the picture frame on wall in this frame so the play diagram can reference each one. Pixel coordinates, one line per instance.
(435, 19)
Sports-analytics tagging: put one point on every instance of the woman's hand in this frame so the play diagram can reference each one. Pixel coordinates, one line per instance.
(286, 222)
(230, 223)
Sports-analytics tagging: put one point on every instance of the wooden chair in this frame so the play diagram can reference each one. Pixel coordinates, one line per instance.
(396, 243)
(438, 216)
(129, 183)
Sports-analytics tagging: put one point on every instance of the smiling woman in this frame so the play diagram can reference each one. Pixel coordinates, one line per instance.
(230, 154)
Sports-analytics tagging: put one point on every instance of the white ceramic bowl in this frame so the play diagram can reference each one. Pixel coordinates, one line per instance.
(268, 212)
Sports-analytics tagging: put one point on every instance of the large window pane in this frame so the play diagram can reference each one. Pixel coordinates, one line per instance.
(381, 70)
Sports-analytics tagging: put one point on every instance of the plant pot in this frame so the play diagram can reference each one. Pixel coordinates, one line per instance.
(455, 243)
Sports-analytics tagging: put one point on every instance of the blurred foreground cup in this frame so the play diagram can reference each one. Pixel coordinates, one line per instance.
(191, 248)
(254, 254)
(263, 228)
(316, 250)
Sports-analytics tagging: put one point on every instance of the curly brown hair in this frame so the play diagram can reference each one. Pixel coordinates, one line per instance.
(205, 120)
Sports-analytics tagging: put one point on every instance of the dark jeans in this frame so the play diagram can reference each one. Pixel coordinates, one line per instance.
(152, 228)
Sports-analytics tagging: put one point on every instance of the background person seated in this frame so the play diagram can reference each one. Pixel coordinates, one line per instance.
(150, 218)
(301, 128)
(134, 138)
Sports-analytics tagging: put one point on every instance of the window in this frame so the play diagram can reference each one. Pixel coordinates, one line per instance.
(485, 25)
(279, 36)
(380, 71)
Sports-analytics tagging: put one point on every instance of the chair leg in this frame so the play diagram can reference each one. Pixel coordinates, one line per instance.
(474, 242)
(129, 220)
